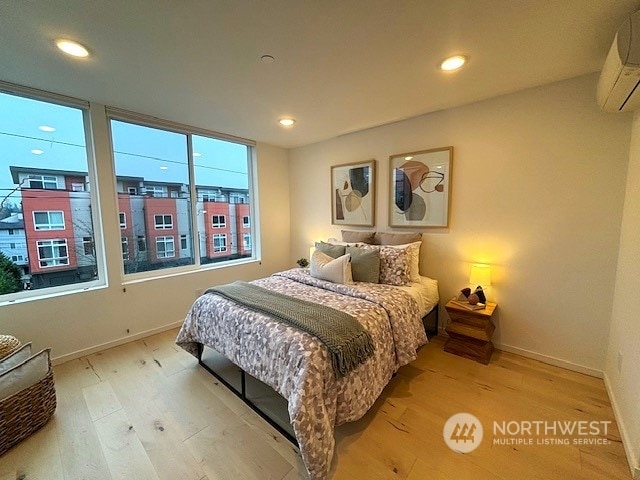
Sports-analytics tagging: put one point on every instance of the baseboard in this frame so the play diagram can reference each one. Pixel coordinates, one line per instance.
(114, 343)
(558, 362)
(626, 441)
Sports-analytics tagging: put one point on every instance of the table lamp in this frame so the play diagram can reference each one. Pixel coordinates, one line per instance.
(480, 276)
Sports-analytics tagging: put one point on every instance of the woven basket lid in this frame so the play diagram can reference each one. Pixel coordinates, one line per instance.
(8, 345)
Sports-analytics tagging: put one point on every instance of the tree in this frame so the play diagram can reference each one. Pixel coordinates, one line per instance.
(10, 276)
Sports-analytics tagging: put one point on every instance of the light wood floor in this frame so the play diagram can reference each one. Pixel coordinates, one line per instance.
(145, 410)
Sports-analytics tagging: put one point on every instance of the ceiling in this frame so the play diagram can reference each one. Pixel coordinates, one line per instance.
(340, 65)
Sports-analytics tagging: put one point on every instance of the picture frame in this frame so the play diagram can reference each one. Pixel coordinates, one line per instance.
(353, 196)
(420, 188)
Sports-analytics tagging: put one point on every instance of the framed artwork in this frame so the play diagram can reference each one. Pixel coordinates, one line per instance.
(353, 194)
(420, 188)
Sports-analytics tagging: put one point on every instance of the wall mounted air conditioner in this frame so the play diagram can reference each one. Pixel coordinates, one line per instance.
(619, 84)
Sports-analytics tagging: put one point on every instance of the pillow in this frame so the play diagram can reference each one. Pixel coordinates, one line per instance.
(16, 358)
(395, 265)
(388, 238)
(24, 375)
(365, 264)
(335, 241)
(353, 236)
(334, 251)
(336, 270)
(413, 249)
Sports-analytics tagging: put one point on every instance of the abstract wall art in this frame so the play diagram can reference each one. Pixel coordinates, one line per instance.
(353, 194)
(420, 187)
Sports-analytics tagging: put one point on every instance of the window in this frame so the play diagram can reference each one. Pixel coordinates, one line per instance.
(246, 221)
(156, 157)
(52, 253)
(142, 243)
(163, 222)
(17, 258)
(125, 248)
(12, 245)
(132, 190)
(42, 182)
(50, 220)
(246, 241)
(156, 191)
(165, 247)
(219, 242)
(12, 231)
(49, 187)
(87, 245)
(218, 221)
(123, 220)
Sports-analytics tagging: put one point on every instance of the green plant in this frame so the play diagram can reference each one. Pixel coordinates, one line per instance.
(10, 276)
(302, 262)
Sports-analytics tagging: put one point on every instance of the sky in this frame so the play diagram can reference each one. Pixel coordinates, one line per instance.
(139, 151)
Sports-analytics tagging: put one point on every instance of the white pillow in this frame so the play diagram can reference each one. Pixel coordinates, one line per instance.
(16, 358)
(336, 270)
(24, 375)
(413, 249)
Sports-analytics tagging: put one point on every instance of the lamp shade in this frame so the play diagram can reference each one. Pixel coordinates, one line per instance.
(480, 274)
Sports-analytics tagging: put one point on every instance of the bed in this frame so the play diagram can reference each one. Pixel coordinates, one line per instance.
(297, 365)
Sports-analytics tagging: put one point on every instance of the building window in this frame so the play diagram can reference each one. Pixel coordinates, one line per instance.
(125, 248)
(170, 161)
(12, 245)
(42, 182)
(12, 231)
(163, 222)
(165, 247)
(48, 220)
(87, 245)
(132, 190)
(246, 241)
(219, 242)
(77, 187)
(158, 191)
(246, 221)
(17, 258)
(218, 221)
(142, 243)
(123, 220)
(52, 253)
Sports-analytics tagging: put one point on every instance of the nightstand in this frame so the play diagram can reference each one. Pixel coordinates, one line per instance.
(470, 332)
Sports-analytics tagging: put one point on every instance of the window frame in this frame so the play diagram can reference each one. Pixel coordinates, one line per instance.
(43, 181)
(122, 216)
(41, 244)
(218, 249)
(164, 239)
(163, 224)
(49, 225)
(219, 224)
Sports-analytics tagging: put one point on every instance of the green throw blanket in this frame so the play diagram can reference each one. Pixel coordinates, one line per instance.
(349, 344)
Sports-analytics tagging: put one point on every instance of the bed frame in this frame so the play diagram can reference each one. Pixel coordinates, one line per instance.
(430, 322)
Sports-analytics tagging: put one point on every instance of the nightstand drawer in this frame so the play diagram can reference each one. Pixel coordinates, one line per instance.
(470, 318)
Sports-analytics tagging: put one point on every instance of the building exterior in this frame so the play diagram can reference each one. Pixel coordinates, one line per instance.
(56, 233)
(13, 243)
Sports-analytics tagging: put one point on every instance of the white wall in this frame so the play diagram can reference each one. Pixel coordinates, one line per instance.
(624, 383)
(537, 192)
(77, 322)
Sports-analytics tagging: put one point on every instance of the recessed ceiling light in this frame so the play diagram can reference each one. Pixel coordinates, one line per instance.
(72, 48)
(287, 122)
(408, 158)
(37, 151)
(46, 128)
(267, 59)
(197, 154)
(164, 168)
(453, 63)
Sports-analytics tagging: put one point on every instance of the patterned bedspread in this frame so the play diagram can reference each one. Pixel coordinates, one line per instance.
(297, 365)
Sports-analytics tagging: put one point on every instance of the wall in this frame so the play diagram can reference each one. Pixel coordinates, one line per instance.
(537, 192)
(83, 322)
(622, 379)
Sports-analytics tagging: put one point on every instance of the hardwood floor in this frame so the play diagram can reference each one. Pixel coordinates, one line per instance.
(145, 410)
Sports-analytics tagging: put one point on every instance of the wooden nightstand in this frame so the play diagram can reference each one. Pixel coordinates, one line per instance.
(470, 332)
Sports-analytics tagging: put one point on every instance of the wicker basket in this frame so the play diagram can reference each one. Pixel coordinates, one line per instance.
(8, 345)
(22, 413)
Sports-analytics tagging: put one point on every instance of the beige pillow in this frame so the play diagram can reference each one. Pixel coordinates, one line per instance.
(389, 238)
(24, 375)
(354, 236)
(16, 358)
(395, 264)
(336, 270)
(413, 250)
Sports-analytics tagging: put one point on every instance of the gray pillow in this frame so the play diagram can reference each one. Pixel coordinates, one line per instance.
(388, 238)
(365, 264)
(334, 251)
(354, 236)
